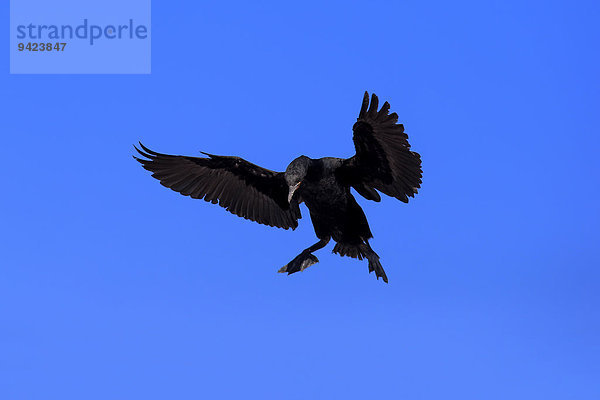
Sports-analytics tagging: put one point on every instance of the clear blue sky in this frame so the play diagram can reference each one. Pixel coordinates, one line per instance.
(113, 287)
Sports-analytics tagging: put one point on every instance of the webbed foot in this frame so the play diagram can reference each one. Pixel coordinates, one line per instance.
(300, 263)
(375, 265)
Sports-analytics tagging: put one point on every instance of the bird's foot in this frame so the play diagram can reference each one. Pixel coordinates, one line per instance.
(375, 265)
(300, 263)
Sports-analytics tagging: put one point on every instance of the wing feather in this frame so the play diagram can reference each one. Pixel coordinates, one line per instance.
(383, 159)
(242, 188)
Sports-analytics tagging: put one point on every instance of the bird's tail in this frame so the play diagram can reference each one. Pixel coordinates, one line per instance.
(359, 250)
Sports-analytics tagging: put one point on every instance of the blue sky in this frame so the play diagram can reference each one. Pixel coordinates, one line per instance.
(113, 287)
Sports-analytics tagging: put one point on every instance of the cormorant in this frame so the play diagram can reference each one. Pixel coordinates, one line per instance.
(383, 162)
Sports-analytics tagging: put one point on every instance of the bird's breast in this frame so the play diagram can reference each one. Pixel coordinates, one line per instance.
(323, 193)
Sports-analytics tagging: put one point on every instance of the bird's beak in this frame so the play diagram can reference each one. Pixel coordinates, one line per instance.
(292, 190)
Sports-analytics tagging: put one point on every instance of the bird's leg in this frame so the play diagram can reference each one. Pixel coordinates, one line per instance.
(374, 264)
(304, 259)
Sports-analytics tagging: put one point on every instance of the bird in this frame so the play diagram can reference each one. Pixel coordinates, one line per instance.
(383, 163)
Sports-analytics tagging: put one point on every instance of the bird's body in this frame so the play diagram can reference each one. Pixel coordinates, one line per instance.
(333, 209)
(383, 162)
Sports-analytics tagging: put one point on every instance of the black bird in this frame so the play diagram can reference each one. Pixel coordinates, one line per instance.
(383, 162)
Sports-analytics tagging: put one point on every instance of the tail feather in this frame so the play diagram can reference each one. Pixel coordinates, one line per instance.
(350, 250)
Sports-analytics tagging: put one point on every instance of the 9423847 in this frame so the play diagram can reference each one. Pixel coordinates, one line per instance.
(34, 46)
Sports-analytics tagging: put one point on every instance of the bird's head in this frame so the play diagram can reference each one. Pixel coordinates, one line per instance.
(295, 173)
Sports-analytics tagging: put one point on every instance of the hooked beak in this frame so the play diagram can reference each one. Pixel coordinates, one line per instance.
(292, 190)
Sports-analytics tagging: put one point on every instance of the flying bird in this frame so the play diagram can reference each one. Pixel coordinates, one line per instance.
(383, 163)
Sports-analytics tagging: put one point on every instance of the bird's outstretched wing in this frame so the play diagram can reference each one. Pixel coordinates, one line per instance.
(242, 188)
(383, 159)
